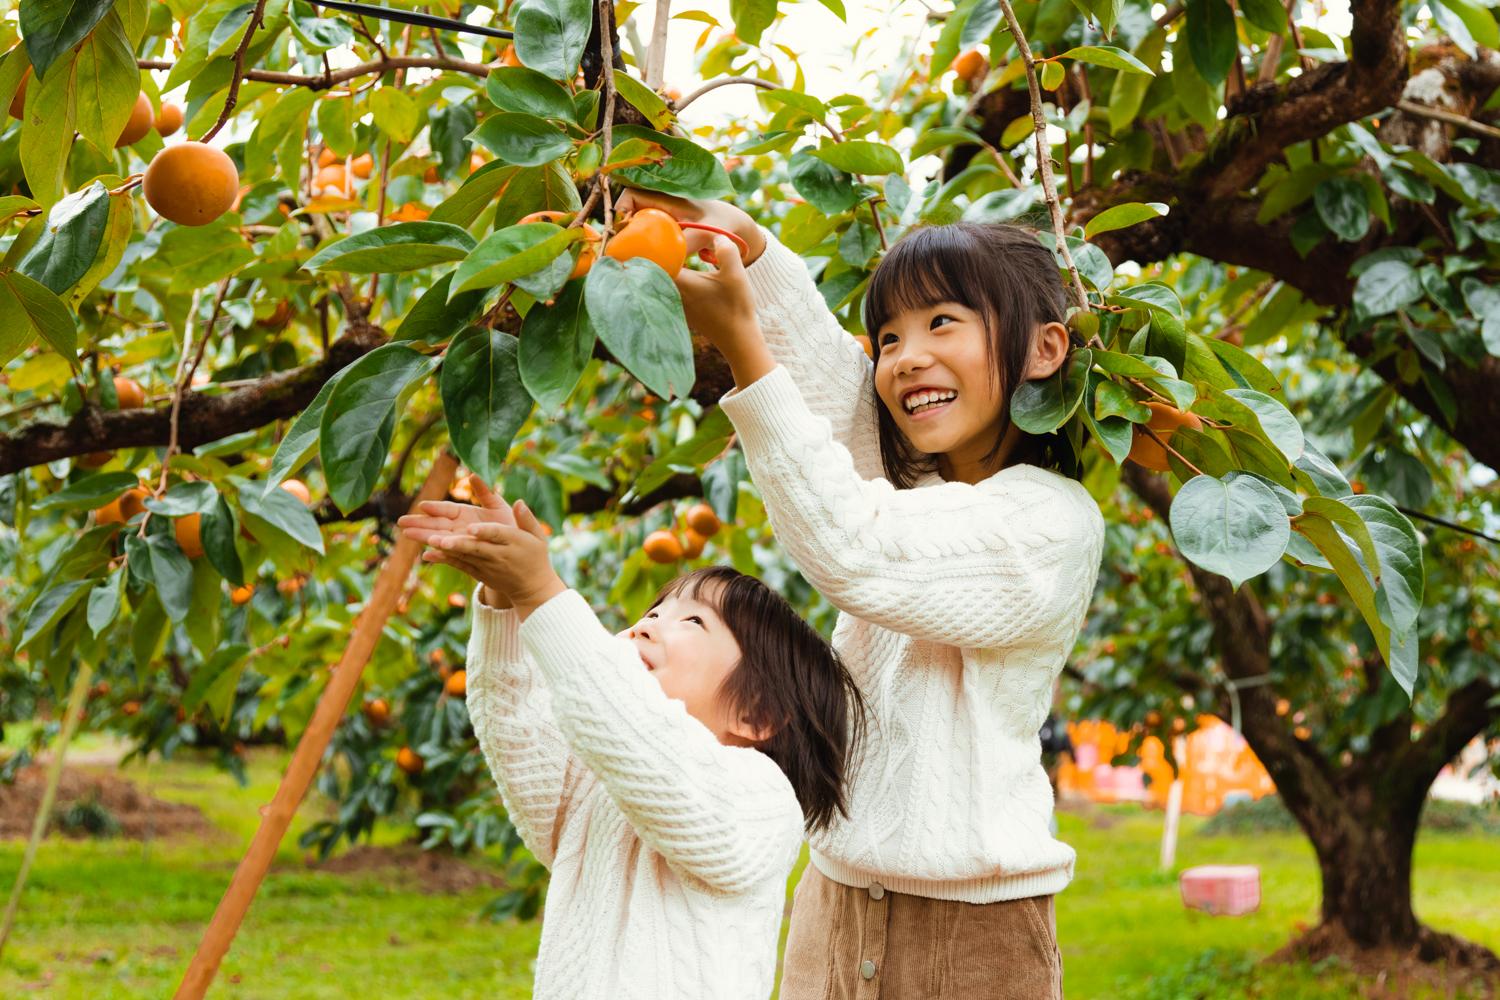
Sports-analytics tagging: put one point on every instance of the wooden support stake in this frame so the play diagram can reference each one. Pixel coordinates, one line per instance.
(71, 714)
(309, 754)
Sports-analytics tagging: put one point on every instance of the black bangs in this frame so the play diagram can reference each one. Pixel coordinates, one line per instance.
(929, 265)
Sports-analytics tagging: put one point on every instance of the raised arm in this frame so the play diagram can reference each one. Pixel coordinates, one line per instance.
(511, 710)
(827, 365)
(724, 817)
(1011, 560)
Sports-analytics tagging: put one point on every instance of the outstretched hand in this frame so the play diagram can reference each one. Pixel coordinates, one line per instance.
(501, 545)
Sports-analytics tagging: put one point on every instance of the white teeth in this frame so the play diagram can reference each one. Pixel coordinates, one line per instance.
(926, 399)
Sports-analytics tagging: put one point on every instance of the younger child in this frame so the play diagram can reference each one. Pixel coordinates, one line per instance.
(662, 774)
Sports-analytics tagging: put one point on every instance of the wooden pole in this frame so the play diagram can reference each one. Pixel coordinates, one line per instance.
(309, 754)
(74, 711)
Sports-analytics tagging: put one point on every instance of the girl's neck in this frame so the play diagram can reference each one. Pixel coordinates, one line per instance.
(967, 464)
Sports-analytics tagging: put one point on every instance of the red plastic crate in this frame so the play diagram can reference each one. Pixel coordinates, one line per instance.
(1223, 890)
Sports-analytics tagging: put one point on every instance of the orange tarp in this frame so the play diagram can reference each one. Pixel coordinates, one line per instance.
(1215, 761)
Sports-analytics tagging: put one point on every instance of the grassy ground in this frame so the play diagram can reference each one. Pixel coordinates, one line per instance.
(118, 919)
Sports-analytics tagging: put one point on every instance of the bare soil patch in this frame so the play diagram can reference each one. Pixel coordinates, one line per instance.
(138, 814)
(430, 872)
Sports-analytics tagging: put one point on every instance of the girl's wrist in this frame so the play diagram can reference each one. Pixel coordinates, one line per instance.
(493, 598)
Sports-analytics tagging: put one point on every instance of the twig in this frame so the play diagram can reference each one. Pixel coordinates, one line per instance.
(1167, 447)
(1169, 15)
(656, 57)
(326, 81)
(1439, 115)
(1044, 152)
(185, 371)
(725, 81)
(607, 77)
(385, 162)
(233, 96)
(874, 204)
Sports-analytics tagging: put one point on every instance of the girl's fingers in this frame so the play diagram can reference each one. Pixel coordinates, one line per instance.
(442, 508)
(526, 520)
(464, 545)
(495, 534)
(488, 498)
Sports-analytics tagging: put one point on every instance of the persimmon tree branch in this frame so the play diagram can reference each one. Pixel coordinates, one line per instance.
(724, 81)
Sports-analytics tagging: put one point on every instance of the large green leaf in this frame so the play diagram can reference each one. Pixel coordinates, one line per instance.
(1109, 57)
(860, 156)
(67, 247)
(28, 305)
(752, 18)
(89, 493)
(364, 399)
(1041, 406)
(515, 252)
(637, 312)
(1212, 38)
(172, 573)
(395, 113)
(282, 511)
(689, 171)
(51, 28)
(1121, 216)
(197, 497)
(826, 187)
(296, 447)
(1234, 526)
(107, 81)
(708, 440)
(48, 609)
(522, 90)
(47, 139)
(1386, 287)
(437, 316)
(1267, 15)
(1344, 207)
(1275, 419)
(104, 602)
(483, 398)
(551, 35)
(403, 246)
(557, 342)
(521, 139)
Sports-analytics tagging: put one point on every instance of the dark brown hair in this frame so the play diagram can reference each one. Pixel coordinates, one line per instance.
(788, 680)
(1003, 273)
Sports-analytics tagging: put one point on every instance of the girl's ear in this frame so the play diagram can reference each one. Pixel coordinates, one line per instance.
(1049, 349)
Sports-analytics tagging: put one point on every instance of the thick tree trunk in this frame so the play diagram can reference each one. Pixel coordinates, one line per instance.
(1365, 864)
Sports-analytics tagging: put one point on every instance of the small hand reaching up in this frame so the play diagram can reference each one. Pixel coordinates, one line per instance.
(502, 546)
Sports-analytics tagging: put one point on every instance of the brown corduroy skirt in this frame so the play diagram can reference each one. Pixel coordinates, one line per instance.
(874, 944)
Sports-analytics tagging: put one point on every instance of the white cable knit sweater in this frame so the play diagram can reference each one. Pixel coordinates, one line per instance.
(669, 852)
(959, 605)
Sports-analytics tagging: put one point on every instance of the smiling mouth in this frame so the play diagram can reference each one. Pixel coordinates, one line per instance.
(930, 410)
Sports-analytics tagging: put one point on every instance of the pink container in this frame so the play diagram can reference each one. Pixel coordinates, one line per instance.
(1223, 890)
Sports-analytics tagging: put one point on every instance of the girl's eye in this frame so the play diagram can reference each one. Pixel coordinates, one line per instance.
(939, 318)
(695, 618)
(884, 340)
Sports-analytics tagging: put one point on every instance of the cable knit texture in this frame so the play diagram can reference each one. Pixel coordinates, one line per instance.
(669, 852)
(958, 606)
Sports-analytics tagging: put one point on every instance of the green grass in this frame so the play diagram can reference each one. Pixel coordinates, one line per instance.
(119, 919)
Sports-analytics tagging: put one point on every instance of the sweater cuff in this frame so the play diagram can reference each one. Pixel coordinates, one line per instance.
(494, 636)
(763, 410)
(563, 632)
(777, 274)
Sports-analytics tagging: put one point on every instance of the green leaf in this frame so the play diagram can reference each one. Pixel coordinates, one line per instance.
(1041, 406)
(214, 682)
(1052, 75)
(50, 29)
(557, 342)
(1154, 296)
(479, 192)
(824, 186)
(172, 572)
(1483, 301)
(859, 156)
(396, 113)
(1267, 15)
(751, 18)
(520, 139)
(447, 132)
(551, 35)
(1212, 39)
(1479, 21)
(284, 512)
(689, 171)
(1109, 57)
(1402, 576)
(513, 253)
(1275, 419)
(1121, 216)
(403, 246)
(1320, 471)
(217, 531)
(1344, 208)
(1386, 287)
(483, 398)
(107, 81)
(709, 438)
(637, 312)
(943, 137)
(644, 99)
(1093, 266)
(319, 34)
(1243, 366)
(47, 139)
(48, 609)
(104, 602)
(90, 493)
(1234, 526)
(298, 444)
(437, 316)
(527, 92)
(1113, 400)
(185, 498)
(31, 307)
(364, 399)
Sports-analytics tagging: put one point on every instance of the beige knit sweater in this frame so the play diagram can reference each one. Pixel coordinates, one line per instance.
(958, 606)
(669, 852)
